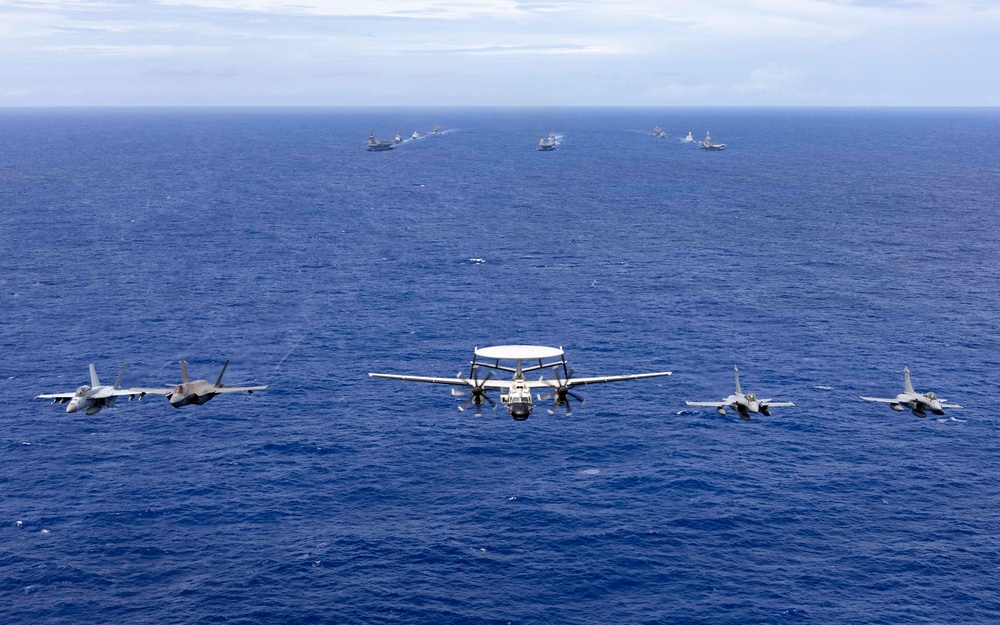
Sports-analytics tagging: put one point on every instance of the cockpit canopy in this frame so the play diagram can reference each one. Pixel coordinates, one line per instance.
(751, 397)
(83, 390)
(931, 396)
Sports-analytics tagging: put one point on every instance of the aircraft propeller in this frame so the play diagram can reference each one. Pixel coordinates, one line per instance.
(561, 393)
(476, 390)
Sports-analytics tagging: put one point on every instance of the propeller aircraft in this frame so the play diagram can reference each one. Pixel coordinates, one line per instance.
(743, 404)
(516, 393)
(197, 392)
(94, 397)
(918, 403)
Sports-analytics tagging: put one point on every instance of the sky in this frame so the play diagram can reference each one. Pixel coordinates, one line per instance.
(499, 53)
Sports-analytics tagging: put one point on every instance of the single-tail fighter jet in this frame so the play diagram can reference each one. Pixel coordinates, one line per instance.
(197, 392)
(94, 397)
(515, 394)
(743, 404)
(919, 403)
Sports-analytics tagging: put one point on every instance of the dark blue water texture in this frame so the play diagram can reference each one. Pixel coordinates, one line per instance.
(822, 252)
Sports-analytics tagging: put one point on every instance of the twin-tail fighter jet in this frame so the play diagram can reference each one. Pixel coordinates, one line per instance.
(94, 397)
(197, 392)
(919, 403)
(515, 394)
(743, 404)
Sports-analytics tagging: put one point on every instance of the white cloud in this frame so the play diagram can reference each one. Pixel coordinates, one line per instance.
(772, 79)
(427, 9)
(515, 49)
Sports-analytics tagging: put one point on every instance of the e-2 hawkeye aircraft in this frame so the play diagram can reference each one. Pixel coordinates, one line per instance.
(516, 393)
(919, 403)
(197, 392)
(94, 397)
(743, 404)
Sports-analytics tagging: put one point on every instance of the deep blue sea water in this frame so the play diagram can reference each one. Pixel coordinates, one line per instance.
(822, 252)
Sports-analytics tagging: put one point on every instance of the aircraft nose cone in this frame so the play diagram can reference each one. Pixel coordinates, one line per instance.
(72, 407)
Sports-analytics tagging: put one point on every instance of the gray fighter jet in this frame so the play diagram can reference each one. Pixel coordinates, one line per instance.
(919, 403)
(743, 404)
(197, 392)
(94, 397)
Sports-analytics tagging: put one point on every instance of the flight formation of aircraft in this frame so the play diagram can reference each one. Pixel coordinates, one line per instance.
(515, 393)
(96, 396)
(517, 398)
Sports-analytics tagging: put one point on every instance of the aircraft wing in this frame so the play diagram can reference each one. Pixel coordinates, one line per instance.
(109, 391)
(779, 404)
(502, 384)
(56, 396)
(573, 382)
(943, 405)
(712, 404)
(881, 400)
(150, 391)
(239, 389)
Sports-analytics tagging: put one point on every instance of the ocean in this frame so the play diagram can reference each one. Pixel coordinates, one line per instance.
(822, 252)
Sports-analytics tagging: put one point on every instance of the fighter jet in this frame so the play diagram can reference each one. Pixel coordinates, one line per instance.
(197, 392)
(94, 397)
(919, 403)
(743, 404)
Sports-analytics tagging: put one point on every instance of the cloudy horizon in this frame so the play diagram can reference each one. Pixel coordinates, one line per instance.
(498, 53)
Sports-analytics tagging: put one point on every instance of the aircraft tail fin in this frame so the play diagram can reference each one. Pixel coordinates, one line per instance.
(736, 372)
(218, 382)
(184, 372)
(907, 385)
(118, 382)
(94, 380)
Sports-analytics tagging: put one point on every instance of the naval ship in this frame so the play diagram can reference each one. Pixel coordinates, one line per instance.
(374, 145)
(658, 132)
(437, 130)
(707, 144)
(548, 144)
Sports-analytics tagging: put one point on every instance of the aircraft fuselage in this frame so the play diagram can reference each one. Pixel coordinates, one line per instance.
(518, 400)
(918, 403)
(197, 393)
(90, 405)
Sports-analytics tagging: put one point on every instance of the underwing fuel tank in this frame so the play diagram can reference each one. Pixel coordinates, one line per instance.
(896, 407)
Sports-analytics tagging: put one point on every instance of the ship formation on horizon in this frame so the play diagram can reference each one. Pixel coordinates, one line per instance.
(545, 144)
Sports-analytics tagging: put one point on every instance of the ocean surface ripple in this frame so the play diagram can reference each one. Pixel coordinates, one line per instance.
(821, 252)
